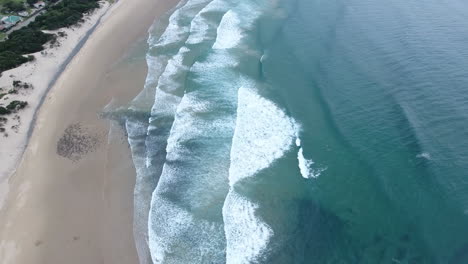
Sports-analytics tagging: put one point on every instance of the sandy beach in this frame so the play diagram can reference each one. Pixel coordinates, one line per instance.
(40, 73)
(71, 197)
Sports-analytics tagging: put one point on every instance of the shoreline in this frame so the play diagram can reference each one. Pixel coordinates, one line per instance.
(77, 207)
(21, 138)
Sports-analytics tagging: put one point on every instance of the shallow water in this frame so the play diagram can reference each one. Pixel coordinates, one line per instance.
(303, 131)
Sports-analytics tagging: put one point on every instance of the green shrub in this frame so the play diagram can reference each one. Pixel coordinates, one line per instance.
(25, 40)
(12, 6)
(16, 105)
(10, 60)
(64, 14)
(31, 2)
(4, 111)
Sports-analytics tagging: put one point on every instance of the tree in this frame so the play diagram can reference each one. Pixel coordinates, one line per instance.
(10, 60)
(12, 6)
(31, 2)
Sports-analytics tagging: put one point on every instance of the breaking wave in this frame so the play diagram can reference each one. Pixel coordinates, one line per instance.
(274, 131)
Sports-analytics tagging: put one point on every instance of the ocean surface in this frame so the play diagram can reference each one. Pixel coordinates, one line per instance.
(303, 131)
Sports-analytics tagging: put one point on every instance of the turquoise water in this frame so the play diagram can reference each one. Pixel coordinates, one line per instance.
(304, 131)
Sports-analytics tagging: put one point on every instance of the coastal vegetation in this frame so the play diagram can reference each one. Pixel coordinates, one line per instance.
(25, 40)
(31, 39)
(20, 84)
(13, 6)
(16, 105)
(64, 14)
(4, 111)
(13, 106)
(10, 60)
(20, 42)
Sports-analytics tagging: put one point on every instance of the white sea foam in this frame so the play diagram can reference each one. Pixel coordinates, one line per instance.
(175, 65)
(171, 84)
(162, 48)
(155, 67)
(424, 155)
(306, 165)
(194, 180)
(174, 231)
(229, 32)
(136, 130)
(174, 31)
(182, 223)
(160, 235)
(263, 134)
(202, 27)
(192, 127)
(185, 222)
(247, 237)
(199, 29)
(166, 104)
(171, 80)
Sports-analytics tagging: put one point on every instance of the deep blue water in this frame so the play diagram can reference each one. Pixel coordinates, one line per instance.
(304, 131)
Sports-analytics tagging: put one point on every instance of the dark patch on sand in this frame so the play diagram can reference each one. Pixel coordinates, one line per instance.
(77, 141)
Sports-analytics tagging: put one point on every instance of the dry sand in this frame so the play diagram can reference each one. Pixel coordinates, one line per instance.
(70, 200)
